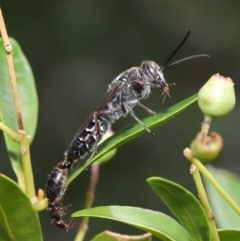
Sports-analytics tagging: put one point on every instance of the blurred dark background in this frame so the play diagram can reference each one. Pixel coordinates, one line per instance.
(76, 48)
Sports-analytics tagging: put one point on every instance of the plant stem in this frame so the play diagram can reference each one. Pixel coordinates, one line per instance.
(206, 125)
(210, 178)
(12, 134)
(204, 200)
(21, 136)
(27, 167)
(17, 166)
(8, 49)
(83, 227)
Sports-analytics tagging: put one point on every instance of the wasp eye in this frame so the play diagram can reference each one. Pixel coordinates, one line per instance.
(152, 70)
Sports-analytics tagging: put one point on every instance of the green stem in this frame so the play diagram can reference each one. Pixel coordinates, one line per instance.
(27, 167)
(206, 125)
(26, 173)
(12, 134)
(210, 178)
(17, 165)
(204, 200)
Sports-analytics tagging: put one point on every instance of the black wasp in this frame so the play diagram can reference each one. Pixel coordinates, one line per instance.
(124, 93)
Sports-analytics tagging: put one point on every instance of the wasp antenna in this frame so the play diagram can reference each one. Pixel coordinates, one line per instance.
(185, 59)
(175, 51)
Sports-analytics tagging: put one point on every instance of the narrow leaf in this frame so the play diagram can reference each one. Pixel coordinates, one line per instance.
(159, 224)
(18, 220)
(27, 95)
(225, 216)
(133, 131)
(184, 206)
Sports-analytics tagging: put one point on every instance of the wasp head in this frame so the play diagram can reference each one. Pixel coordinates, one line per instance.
(154, 73)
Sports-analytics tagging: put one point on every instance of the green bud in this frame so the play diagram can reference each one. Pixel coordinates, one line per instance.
(206, 148)
(217, 97)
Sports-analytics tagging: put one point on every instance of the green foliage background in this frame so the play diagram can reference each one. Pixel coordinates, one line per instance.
(76, 48)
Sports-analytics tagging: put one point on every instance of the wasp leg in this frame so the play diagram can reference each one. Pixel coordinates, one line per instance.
(146, 108)
(129, 109)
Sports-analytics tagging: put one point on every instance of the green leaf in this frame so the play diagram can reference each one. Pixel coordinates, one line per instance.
(229, 234)
(110, 236)
(18, 220)
(27, 95)
(184, 206)
(159, 224)
(225, 216)
(133, 131)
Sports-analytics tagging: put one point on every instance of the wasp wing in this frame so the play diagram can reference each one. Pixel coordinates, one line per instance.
(111, 93)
